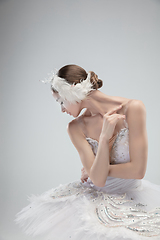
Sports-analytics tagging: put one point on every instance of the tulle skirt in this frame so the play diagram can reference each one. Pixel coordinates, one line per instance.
(123, 209)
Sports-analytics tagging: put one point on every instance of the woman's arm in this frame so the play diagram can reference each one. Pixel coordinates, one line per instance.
(84, 175)
(138, 144)
(96, 167)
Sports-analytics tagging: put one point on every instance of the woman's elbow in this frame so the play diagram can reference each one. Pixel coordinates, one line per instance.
(99, 183)
(141, 174)
(97, 180)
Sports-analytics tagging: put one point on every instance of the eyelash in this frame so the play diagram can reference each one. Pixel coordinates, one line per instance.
(61, 103)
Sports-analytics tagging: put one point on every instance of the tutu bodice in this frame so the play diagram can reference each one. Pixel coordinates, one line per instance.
(122, 209)
(120, 149)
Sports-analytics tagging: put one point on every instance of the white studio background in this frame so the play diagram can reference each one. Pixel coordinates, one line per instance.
(117, 39)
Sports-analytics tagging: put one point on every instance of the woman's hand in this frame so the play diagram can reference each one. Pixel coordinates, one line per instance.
(110, 120)
(84, 175)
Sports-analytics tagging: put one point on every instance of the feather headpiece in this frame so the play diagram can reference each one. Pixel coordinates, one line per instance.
(73, 93)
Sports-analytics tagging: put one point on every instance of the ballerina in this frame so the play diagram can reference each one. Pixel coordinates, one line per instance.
(111, 200)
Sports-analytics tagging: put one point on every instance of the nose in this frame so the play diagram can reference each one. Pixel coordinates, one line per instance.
(63, 109)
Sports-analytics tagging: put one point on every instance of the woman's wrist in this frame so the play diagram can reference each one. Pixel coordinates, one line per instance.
(103, 138)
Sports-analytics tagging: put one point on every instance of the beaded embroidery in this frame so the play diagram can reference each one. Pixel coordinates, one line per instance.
(115, 210)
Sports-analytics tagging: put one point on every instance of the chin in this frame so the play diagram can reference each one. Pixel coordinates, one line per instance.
(75, 115)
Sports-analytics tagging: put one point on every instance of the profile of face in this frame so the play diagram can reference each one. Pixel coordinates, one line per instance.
(70, 108)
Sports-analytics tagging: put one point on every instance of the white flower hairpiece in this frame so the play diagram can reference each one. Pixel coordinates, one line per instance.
(71, 92)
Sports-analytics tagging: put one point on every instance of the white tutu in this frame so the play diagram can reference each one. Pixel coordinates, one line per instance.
(122, 209)
(83, 211)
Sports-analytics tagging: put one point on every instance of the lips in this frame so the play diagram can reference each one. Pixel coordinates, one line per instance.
(68, 112)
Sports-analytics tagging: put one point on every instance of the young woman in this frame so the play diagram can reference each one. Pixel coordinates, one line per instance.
(112, 200)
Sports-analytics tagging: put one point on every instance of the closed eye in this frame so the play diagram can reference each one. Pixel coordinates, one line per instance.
(61, 103)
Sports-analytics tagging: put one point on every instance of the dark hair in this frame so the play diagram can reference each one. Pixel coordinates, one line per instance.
(73, 74)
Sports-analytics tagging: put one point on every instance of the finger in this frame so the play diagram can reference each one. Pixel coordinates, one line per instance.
(114, 116)
(114, 110)
(113, 119)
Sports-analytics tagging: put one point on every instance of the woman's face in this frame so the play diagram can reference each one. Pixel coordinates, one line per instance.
(69, 108)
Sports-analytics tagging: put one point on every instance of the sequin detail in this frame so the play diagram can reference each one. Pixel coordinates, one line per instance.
(114, 210)
(120, 148)
(94, 144)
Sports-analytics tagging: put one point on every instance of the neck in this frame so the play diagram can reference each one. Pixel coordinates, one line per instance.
(99, 103)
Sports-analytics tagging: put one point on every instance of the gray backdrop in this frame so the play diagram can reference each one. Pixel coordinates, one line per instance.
(117, 39)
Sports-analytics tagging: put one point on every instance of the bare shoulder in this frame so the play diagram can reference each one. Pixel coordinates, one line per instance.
(76, 134)
(136, 113)
(136, 106)
(135, 103)
(74, 127)
(138, 140)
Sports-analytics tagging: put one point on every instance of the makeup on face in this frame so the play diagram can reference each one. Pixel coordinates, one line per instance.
(59, 100)
(69, 108)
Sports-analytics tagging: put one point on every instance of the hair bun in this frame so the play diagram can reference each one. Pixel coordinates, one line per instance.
(97, 83)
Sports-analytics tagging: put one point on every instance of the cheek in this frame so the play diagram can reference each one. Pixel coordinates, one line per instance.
(66, 105)
(76, 109)
(73, 108)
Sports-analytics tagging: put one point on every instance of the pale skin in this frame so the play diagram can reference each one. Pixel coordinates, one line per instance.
(101, 121)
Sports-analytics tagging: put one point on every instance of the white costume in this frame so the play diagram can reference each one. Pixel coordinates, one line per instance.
(121, 210)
